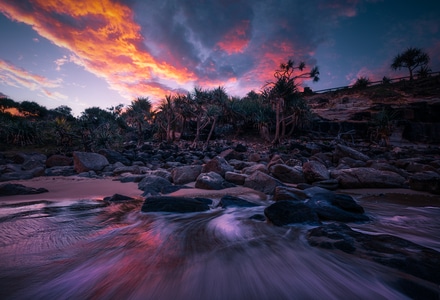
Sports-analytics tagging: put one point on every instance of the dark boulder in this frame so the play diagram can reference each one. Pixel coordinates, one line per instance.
(174, 204)
(153, 185)
(286, 212)
(11, 189)
(86, 161)
(337, 207)
(58, 160)
(232, 201)
(212, 181)
(118, 198)
(384, 249)
(425, 181)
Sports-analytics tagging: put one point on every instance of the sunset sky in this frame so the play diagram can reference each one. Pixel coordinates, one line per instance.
(103, 53)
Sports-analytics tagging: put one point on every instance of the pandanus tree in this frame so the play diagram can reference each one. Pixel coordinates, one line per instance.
(166, 117)
(283, 89)
(138, 115)
(411, 58)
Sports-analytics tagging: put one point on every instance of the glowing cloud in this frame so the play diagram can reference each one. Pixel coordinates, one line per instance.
(104, 39)
(236, 39)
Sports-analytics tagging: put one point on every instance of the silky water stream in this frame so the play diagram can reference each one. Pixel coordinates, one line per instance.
(92, 250)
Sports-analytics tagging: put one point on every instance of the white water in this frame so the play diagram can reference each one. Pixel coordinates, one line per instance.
(60, 251)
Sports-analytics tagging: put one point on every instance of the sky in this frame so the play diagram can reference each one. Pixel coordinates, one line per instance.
(104, 53)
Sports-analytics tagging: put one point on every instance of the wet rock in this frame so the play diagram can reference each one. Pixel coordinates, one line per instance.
(337, 207)
(232, 201)
(384, 249)
(288, 193)
(367, 178)
(262, 182)
(212, 181)
(330, 184)
(174, 204)
(315, 171)
(11, 189)
(153, 185)
(218, 165)
(286, 212)
(118, 198)
(58, 160)
(126, 169)
(287, 174)
(86, 161)
(185, 174)
(425, 181)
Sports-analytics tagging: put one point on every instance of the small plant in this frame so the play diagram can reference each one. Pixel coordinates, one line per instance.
(361, 83)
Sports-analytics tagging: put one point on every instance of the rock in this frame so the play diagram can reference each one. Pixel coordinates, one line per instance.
(254, 157)
(218, 165)
(348, 162)
(22, 175)
(344, 151)
(86, 161)
(262, 182)
(235, 178)
(275, 160)
(240, 148)
(212, 181)
(11, 189)
(286, 212)
(232, 201)
(287, 174)
(367, 178)
(114, 156)
(425, 181)
(185, 174)
(118, 198)
(153, 185)
(128, 177)
(315, 171)
(58, 160)
(240, 165)
(384, 249)
(257, 167)
(330, 184)
(288, 193)
(130, 169)
(174, 204)
(60, 171)
(337, 207)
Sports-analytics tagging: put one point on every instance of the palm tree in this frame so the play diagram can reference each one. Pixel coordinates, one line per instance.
(411, 59)
(279, 91)
(166, 117)
(138, 115)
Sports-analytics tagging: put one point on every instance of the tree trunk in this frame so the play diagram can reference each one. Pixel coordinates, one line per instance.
(212, 129)
(276, 139)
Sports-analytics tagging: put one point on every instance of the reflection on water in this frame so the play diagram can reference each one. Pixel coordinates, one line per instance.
(89, 250)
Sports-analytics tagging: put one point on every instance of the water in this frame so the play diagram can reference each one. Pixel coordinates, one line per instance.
(89, 250)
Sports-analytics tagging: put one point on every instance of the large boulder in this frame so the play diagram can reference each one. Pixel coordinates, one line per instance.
(337, 207)
(233, 201)
(114, 156)
(384, 249)
(87, 161)
(262, 182)
(367, 178)
(218, 165)
(175, 204)
(235, 178)
(286, 212)
(186, 174)
(11, 189)
(257, 167)
(153, 185)
(425, 181)
(287, 174)
(212, 181)
(288, 193)
(315, 171)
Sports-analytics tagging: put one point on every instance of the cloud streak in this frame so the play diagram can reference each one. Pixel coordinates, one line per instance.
(152, 48)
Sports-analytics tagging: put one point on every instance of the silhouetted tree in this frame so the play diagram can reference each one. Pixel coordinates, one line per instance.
(411, 59)
(284, 87)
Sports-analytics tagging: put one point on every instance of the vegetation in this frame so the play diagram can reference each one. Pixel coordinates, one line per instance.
(278, 112)
(411, 58)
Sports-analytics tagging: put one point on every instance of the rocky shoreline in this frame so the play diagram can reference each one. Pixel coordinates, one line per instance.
(301, 184)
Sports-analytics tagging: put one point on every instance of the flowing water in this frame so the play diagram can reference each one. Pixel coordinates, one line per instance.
(90, 250)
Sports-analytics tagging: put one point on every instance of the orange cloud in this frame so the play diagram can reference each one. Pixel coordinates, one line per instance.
(236, 40)
(104, 38)
(17, 77)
